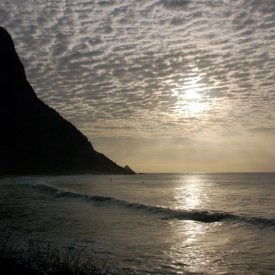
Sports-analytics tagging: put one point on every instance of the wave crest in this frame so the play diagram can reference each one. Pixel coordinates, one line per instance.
(163, 212)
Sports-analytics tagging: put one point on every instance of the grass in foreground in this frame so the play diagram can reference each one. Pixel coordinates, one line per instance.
(38, 258)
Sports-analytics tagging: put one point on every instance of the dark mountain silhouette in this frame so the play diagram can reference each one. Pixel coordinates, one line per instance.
(34, 138)
(128, 168)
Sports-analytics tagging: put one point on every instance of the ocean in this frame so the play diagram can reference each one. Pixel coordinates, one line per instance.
(193, 223)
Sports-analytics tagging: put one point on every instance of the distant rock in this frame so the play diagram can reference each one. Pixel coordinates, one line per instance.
(128, 168)
(34, 138)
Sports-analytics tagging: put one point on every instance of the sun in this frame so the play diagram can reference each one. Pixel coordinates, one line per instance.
(192, 94)
(197, 107)
(190, 101)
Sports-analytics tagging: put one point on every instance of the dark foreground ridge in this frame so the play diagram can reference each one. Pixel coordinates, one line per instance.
(34, 138)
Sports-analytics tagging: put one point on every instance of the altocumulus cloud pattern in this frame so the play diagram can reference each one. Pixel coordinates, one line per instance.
(118, 68)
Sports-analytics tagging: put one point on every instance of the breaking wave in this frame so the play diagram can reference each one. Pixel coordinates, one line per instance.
(163, 212)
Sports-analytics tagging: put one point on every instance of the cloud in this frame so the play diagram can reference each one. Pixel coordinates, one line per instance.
(175, 4)
(263, 130)
(125, 63)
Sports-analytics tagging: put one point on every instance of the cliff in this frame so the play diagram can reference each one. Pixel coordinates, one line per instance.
(34, 138)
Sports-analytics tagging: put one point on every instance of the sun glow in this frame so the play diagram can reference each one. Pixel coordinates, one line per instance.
(190, 101)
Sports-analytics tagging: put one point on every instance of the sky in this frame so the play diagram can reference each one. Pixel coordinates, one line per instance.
(159, 85)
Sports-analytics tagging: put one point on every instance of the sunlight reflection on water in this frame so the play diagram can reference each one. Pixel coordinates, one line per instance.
(188, 195)
(190, 235)
(195, 246)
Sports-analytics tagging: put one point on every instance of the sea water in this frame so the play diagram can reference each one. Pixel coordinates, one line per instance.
(150, 223)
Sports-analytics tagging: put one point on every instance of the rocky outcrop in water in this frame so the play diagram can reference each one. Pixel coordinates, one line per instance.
(34, 138)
